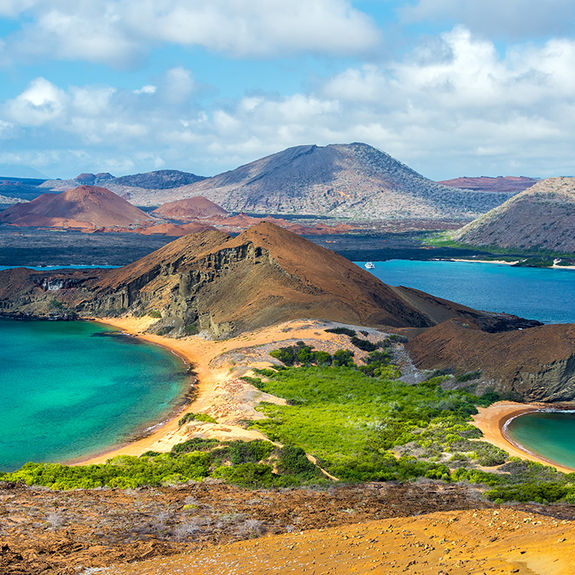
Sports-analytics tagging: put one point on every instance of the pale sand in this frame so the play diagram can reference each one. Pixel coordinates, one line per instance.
(503, 262)
(221, 393)
(491, 420)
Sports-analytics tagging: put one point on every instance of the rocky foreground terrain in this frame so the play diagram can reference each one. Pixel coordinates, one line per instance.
(540, 218)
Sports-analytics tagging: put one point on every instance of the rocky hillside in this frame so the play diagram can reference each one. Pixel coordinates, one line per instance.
(536, 364)
(504, 184)
(211, 281)
(82, 207)
(542, 218)
(190, 209)
(352, 180)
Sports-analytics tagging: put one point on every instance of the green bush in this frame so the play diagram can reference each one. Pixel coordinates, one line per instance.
(203, 417)
(341, 331)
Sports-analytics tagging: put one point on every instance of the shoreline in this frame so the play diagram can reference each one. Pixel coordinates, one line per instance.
(143, 440)
(220, 392)
(493, 420)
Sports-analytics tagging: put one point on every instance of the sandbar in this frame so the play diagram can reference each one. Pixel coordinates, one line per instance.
(491, 421)
(218, 365)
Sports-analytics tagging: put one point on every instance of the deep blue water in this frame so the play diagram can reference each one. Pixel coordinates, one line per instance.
(547, 295)
(70, 389)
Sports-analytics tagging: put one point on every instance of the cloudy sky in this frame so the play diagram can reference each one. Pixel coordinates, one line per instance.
(450, 87)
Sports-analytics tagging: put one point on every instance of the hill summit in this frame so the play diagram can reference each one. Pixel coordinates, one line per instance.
(210, 281)
(81, 207)
(339, 180)
(541, 217)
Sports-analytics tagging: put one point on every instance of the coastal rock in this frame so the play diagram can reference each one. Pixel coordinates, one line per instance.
(536, 364)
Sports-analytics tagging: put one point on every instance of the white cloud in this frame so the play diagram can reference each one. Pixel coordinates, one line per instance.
(507, 18)
(41, 103)
(454, 106)
(119, 31)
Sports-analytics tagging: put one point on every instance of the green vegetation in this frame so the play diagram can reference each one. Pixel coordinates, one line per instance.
(359, 422)
(156, 314)
(341, 331)
(203, 417)
(529, 257)
(251, 464)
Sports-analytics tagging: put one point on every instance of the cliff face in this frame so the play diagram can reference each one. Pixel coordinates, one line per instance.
(536, 364)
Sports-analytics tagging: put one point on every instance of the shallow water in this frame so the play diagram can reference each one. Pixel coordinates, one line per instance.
(548, 434)
(547, 295)
(69, 389)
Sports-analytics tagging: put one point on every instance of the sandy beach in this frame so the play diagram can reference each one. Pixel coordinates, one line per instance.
(501, 262)
(491, 420)
(219, 365)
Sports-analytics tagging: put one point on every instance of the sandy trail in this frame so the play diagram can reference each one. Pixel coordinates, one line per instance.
(500, 541)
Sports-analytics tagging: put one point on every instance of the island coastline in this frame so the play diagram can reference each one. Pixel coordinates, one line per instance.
(492, 421)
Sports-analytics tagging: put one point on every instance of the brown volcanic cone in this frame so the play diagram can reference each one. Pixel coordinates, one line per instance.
(211, 281)
(82, 207)
(265, 275)
(190, 209)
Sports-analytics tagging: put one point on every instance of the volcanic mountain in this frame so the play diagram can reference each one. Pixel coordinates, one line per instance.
(190, 209)
(352, 180)
(505, 184)
(82, 207)
(212, 281)
(542, 218)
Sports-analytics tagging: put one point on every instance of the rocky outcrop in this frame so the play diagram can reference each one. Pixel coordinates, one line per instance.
(536, 364)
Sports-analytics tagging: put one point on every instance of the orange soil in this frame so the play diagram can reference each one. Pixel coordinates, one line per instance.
(501, 541)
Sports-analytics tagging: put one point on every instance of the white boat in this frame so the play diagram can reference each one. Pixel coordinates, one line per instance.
(369, 265)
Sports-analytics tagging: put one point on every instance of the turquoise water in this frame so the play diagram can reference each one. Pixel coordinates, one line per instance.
(547, 295)
(548, 434)
(69, 389)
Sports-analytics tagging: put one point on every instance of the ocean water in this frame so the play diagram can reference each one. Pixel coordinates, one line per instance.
(548, 434)
(547, 295)
(70, 389)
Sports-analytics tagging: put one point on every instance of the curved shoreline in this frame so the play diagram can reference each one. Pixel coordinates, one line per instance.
(219, 391)
(167, 427)
(493, 422)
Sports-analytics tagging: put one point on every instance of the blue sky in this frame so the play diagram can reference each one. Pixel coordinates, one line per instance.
(450, 87)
